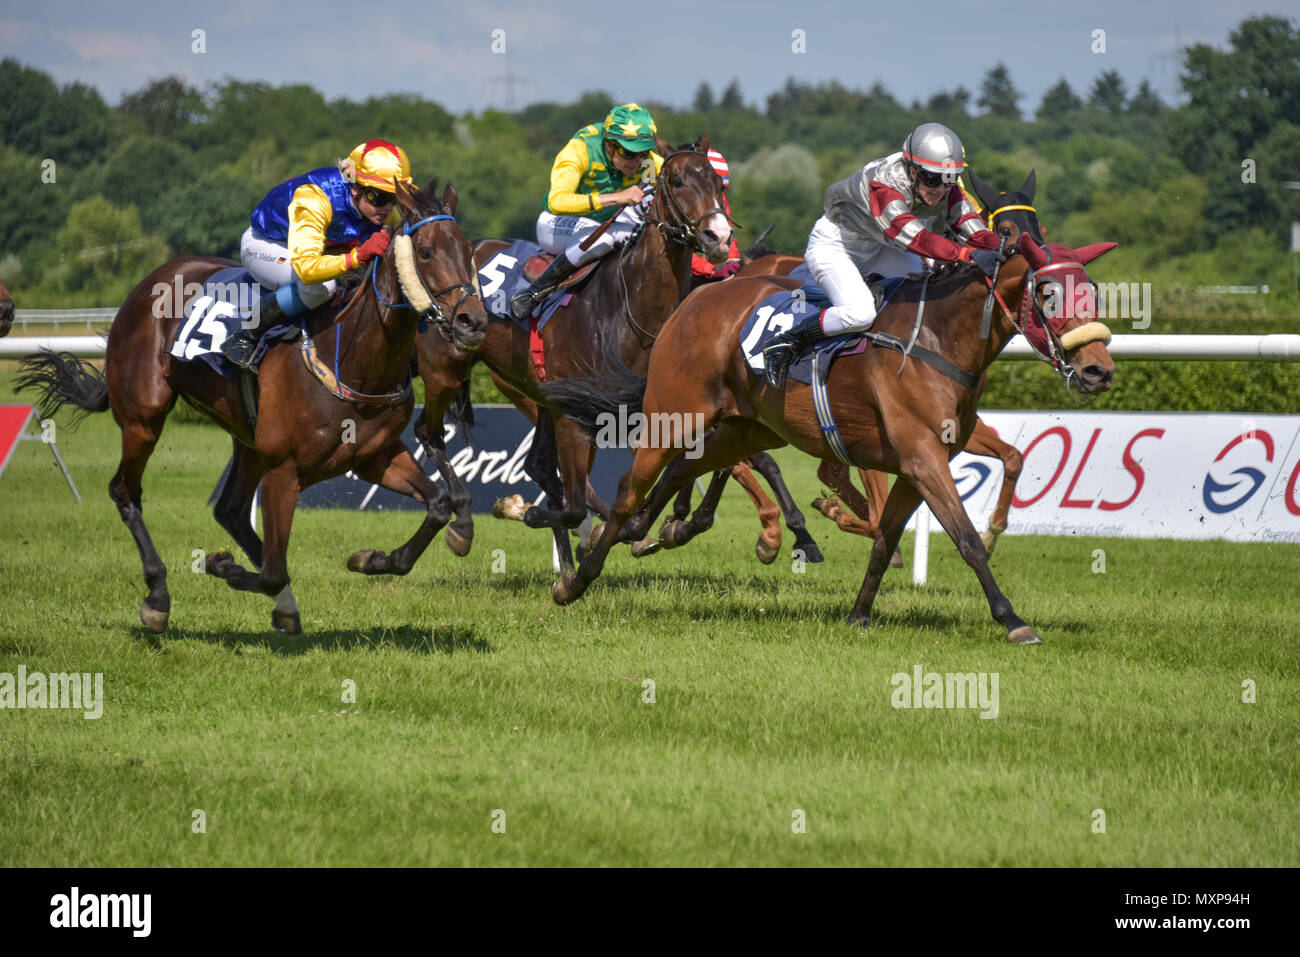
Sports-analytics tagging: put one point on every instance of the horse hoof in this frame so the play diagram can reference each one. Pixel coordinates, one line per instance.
(766, 553)
(647, 546)
(588, 543)
(219, 563)
(288, 622)
(670, 531)
(357, 562)
(458, 543)
(811, 553)
(155, 621)
(896, 560)
(511, 507)
(1024, 635)
(565, 590)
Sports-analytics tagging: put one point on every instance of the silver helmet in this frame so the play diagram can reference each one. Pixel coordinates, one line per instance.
(935, 148)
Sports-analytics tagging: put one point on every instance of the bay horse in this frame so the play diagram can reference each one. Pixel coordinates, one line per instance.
(6, 311)
(1008, 214)
(890, 417)
(614, 318)
(309, 427)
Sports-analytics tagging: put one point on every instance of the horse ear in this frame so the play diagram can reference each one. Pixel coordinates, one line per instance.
(989, 196)
(449, 198)
(662, 146)
(406, 199)
(1032, 252)
(702, 145)
(1030, 184)
(1090, 252)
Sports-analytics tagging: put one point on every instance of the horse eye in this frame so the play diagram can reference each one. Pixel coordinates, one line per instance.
(677, 181)
(426, 252)
(1005, 229)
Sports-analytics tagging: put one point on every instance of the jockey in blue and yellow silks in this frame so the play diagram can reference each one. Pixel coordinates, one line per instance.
(313, 228)
(600, 174)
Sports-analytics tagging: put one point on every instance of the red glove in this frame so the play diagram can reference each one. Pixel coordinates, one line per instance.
(372, 247)
(726, 270)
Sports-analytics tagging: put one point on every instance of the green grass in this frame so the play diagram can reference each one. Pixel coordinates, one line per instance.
(476, 693)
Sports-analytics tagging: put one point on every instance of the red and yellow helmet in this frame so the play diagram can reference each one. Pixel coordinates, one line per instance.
(377, 163)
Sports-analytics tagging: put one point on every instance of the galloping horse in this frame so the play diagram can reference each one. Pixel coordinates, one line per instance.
(609, 325)
(1009, 215)
(889, 418)
(311, 425)
(6, 311)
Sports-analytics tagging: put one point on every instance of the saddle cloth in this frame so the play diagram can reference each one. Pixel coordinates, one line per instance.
(228, 299)
(779, 311)
(512, 270)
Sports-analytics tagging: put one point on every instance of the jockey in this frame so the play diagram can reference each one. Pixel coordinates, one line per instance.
(601, 173)
(701, 269)
(312, 229)
(884, 219)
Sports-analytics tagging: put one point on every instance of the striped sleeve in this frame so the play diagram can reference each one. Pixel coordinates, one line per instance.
(902, 228)
(966, 220)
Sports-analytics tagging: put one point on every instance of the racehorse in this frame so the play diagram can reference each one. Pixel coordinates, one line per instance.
(617, 313)
(1008, 214)
(890, 418)
(6, 311)
(311, 425)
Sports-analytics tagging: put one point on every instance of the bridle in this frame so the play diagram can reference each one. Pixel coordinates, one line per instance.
(680, 228)
(433, 312)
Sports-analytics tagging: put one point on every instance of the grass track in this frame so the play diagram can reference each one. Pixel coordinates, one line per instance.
(476, 693)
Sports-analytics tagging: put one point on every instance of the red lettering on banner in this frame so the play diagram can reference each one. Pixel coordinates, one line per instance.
(1135, 469)
(1258, 435)
(1065, 455)
(1066, 501)
(1292, 505)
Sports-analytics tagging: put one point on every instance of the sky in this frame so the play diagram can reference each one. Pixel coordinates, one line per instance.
(471, 56)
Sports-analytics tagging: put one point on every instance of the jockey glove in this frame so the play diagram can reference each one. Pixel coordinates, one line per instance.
(726, 270)
(987, 260)
(372, 247)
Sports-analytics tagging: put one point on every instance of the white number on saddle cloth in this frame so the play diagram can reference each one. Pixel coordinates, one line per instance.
(765, 319)
(204, 331)
(496, 269)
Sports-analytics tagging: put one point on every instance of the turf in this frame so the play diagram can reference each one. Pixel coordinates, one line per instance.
(475, 695)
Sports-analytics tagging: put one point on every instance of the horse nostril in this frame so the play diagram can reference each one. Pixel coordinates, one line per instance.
(1097, 374)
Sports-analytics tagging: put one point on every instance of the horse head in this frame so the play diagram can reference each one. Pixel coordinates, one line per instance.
(6, 311)
(1058, 314)
(435, 265)
(689, 194)
(1010, 214)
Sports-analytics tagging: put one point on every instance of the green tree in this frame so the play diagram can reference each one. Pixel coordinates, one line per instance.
(165, 108)
(703, 101)
(1108, 93)
(731, 98)
(1059, 101)
(1145, 101)
(998, 95)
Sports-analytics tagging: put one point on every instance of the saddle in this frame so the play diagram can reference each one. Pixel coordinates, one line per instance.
(536, 265)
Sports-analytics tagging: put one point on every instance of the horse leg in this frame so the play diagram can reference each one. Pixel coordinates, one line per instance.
(398, 471)
(139, 437)
(928, 469)
(233, 512)
(768, 545)
(876, 485)
(676, 533)
(726, 444)
(542, 467)
(902, 502)
(428, 429)
(766, 466)
(984, 441)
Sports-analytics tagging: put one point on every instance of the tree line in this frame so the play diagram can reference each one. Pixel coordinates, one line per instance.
(94, 196)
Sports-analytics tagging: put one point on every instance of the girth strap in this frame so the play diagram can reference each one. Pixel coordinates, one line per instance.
(821, 400)
(932, 359)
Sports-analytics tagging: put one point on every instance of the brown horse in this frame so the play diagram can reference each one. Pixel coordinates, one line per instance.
(6, 311)
(608, 327)
(308, 427)
(889, 418)
(1009, 215)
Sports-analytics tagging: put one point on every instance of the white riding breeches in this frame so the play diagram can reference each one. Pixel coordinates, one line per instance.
(268, 261)
(838, 262)
(558, 234)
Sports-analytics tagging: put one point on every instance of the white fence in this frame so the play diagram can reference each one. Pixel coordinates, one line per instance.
(63, 317)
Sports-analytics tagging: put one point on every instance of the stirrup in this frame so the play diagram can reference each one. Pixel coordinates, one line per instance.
(776, 363)
(240, 350)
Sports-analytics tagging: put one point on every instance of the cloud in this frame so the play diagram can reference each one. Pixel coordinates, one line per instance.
(99, 45)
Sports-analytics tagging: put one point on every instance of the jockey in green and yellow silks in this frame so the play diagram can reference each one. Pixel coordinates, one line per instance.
(602, 173)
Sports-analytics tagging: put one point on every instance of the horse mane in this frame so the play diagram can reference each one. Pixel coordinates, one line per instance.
(427, 201)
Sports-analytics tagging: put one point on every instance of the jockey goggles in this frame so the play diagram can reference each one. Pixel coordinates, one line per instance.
(377, 197)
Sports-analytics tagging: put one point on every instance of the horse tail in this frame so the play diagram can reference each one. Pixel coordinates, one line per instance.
(63, 379)
(461, 411)
(586, 400)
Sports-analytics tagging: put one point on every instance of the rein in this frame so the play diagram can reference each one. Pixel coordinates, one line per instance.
(330, 378)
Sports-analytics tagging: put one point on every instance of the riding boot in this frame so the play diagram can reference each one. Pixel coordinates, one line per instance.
(787, 347)
(241, 347)
(559, 270)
